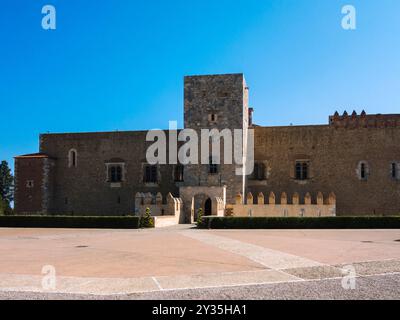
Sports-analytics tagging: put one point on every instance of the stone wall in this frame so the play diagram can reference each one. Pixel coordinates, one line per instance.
(84, 189)
(296, 207)
(334, 154)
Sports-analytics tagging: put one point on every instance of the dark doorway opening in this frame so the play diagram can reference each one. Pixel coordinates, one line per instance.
(207, 207)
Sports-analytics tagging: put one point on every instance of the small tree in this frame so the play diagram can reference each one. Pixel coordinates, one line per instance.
(199, 215)
(6, 183)
(147, 221)
(5, 208)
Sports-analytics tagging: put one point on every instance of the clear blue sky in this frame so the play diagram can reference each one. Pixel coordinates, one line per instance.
(120, 64)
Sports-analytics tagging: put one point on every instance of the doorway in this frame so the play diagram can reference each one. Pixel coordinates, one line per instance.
(208, 207)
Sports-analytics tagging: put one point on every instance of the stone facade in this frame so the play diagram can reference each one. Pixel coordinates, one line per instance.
(357, 157)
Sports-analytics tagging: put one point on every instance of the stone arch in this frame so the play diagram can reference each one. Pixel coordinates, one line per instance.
(204, 201)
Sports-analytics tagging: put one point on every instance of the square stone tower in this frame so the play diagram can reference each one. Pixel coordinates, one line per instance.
(215, 102)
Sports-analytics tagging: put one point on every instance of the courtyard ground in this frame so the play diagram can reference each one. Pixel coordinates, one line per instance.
(185, 263)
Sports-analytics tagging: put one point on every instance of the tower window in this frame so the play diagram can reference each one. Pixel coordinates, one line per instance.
(212, 117)
(178, 174)
(302, 170)
(212, 166)
(150, 174)
(72, 158)
(29, 184)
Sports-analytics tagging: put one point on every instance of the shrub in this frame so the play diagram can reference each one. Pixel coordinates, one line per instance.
(147, 221)
(199, 215)
(300, 223)
(70, 222)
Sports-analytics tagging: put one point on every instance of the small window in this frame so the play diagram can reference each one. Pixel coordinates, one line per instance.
(302, 170)
(29, 184)
(178, 175)
(363, 170)
(72, 158)
(212, 117)
(150, 174)
(395, 171)
(212, 167)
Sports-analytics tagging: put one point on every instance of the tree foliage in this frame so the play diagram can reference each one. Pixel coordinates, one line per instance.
(147, 221)
(199, 216)
(6, 183)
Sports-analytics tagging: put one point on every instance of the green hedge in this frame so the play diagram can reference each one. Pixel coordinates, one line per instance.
(300, 223)
(70, 222)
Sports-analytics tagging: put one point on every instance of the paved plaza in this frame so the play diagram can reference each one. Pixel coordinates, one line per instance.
(185, 263)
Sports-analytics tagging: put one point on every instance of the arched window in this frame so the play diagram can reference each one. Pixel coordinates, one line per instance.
(363, 170)
(72, 158)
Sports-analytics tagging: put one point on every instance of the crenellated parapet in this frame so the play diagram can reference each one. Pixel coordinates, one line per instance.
(155, 202)
(364, 120)
(308, 206)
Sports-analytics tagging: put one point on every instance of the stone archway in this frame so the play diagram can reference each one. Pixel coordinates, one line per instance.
(194, 197)
(198, 201)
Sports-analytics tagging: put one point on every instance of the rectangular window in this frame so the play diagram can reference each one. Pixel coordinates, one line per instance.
(302, 170)
(150, 174)
(259, 171)
(178, 176)
(212, 167)
(115, 174)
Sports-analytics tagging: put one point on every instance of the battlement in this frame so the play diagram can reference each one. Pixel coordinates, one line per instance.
(272, 207)
(364, 120)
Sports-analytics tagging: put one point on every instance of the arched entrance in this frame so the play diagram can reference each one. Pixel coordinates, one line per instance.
(195, 197)
(208, 207)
